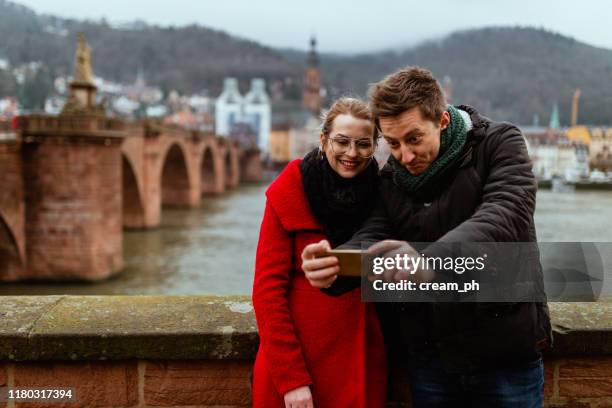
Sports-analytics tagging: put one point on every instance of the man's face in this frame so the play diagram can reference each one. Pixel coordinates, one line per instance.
(414, 141)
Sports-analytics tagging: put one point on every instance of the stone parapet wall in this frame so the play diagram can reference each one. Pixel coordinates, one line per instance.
(71, 125)
(136, 383)
(197, 351)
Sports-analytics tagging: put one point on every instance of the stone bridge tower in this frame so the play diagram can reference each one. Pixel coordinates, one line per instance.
(72, 177)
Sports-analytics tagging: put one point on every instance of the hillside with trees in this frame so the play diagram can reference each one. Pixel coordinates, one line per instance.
(510, 73)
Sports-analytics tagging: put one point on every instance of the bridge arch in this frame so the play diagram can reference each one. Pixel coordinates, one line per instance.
(175, 180)
(210, 170)
(232, 167)
(11, 263)
(133, 208)
(250, 165)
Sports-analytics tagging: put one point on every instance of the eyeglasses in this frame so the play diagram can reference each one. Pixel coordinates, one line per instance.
(341, 145)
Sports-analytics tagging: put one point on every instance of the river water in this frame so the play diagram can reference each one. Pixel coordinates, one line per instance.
(211, 250)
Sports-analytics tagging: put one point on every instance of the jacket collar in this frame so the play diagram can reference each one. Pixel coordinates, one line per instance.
(287, 197)
(480, 124)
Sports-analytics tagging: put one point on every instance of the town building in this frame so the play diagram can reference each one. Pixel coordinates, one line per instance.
(600, 152)
(254, 110)
(554, 154)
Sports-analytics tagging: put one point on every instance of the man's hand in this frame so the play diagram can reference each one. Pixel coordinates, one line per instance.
(390, 249)
(300, 397)
(320, 272)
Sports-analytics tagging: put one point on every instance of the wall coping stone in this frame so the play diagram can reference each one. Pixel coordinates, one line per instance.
(188, 327)
(34, 328)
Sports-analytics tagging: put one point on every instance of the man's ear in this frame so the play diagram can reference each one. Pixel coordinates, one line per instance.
(322, 139)
(444, 120)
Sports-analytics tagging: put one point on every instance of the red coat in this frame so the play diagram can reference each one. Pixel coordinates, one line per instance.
(333, 344)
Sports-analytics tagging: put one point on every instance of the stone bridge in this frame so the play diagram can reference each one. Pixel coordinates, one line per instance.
(172, 166)
(71, 184)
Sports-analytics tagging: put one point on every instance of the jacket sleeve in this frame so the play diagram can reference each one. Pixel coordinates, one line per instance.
(375, 228)
(273, 264)
(508, 197)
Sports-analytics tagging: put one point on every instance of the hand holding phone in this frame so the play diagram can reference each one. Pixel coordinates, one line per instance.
(349, 260)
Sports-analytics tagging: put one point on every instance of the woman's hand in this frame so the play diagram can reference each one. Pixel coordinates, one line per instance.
(300, 397)
(320, 272)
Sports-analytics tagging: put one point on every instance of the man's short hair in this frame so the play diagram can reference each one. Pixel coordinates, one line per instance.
(405, 89)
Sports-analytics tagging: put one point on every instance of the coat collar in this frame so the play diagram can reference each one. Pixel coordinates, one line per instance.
(480, 123)
(288, 199)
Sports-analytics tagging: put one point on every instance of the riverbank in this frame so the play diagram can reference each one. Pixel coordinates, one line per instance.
(579, 186)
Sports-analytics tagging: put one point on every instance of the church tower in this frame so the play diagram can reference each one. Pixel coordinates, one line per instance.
(311, 97)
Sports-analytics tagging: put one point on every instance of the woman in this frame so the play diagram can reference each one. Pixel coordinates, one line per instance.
(316, 350)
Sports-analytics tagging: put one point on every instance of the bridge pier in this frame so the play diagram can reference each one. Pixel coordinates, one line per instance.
(231, 165)
(250, 166)
(211, 175)
(72, 173)
(178, 186)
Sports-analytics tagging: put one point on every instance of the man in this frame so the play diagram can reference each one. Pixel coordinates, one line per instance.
(453, 177)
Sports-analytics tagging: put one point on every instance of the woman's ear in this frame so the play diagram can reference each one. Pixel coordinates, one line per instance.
(322, 139)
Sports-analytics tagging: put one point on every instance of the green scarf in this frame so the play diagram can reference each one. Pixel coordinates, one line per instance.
(452, 140)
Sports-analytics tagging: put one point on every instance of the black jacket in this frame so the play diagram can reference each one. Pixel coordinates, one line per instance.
(486, 195)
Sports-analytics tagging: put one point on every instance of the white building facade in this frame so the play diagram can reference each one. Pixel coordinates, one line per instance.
(231, 108)
(565, 159)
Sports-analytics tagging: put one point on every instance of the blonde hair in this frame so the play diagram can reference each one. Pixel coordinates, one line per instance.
(347, 106)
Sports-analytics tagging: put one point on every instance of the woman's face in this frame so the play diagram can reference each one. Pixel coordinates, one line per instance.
(347, 143)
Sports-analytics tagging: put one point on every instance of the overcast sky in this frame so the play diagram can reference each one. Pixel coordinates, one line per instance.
(349, 25)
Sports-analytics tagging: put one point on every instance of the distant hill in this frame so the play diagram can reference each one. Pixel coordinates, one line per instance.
(188, 59)
(506, 73)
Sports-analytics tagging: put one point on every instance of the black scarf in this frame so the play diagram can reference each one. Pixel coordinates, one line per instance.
(339, 204)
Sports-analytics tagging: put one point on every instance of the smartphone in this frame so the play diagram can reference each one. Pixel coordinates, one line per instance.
(350, 260)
